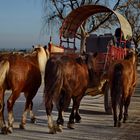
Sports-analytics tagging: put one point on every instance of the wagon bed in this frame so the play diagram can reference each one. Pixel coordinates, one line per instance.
(107, 54)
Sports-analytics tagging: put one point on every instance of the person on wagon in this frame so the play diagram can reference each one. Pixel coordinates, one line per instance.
(119, 37)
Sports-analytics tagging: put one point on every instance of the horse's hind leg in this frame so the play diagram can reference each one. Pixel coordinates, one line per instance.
(10, 103)
(121, 113)
(2, 121)
(126, 105)
(77, 115)
(32, 116)
(60, 121)
(28, 108)
(74, 112)
(49, 107)
(114, 107)
(62, 105)
(24, 115)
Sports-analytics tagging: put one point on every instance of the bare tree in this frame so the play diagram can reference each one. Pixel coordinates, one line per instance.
(131, 10)
(57, 10)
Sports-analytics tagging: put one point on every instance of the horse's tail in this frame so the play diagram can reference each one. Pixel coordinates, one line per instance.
(117, 84)
(53, 81)
(4, 68)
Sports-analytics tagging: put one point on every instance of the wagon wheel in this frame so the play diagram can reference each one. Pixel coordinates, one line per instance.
(107, 99)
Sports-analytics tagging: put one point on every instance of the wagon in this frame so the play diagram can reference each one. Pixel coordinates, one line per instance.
(103, 44)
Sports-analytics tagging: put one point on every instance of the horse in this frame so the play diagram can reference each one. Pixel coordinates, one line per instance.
(122, 79)
(20, 73)
(67, 78)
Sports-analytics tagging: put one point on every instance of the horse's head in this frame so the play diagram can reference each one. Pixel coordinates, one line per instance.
(91, 64)
(91, 60)
(41, 49)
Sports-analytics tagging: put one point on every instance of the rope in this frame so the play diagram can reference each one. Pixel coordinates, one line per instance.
(106, 58)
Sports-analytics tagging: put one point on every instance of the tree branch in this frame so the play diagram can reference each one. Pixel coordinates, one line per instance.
(59, 11)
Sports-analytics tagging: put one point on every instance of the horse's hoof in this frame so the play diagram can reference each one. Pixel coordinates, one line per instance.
(21, 126)
(109, 112)
(119, 124)
(33, 120)
(71, 125)
(124, 121)
(125, 118)
(52, 131)
(77, 121)
(10, 130)
(4, 130)
(59, 128)
(115, 124)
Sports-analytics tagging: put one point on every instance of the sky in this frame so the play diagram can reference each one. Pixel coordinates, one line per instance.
(21, 24)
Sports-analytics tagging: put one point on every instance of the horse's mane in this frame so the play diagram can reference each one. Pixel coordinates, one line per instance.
(89, 60)
(79, 60)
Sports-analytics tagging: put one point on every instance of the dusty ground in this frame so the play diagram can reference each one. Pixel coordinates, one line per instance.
(95, 125)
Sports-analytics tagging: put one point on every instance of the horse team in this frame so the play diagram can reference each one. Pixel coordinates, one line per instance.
(65, 78)
(20, 73)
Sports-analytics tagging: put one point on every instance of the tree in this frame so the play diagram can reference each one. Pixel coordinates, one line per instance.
(57, 10)
(131, 10)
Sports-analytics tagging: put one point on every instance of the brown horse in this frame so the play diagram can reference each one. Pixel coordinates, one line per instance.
(20, 73)
(67, 78)
(123, 78)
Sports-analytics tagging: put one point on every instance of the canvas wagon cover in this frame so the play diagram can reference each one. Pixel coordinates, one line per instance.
(73, 21)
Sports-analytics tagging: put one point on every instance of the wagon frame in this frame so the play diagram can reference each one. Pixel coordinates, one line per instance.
(68, 31)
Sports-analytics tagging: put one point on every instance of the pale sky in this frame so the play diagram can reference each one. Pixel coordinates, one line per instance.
(21, 23)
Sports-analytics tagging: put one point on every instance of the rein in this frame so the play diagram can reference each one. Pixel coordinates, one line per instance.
(106, 58)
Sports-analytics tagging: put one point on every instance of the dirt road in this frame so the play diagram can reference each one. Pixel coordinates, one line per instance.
(95, 125)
